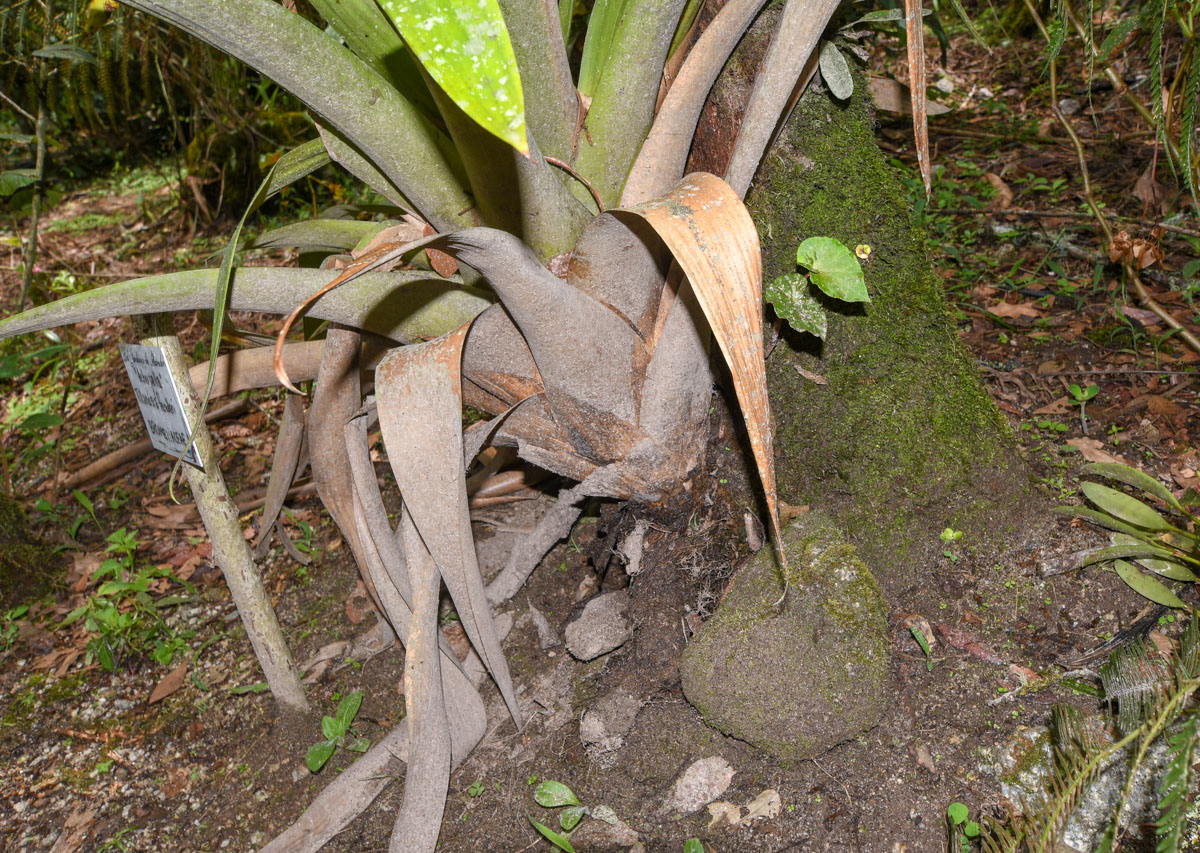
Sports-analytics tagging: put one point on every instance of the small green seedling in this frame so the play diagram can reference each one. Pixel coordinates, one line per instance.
(693, 845)
(552, 795)
(1081, 397)
(336, 730)
(961, 830)
(924, 644)
(949, 535)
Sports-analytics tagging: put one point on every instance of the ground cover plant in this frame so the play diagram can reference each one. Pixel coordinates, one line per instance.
(1099, 415)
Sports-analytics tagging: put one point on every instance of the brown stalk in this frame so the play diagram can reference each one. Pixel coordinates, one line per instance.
(1126, 264)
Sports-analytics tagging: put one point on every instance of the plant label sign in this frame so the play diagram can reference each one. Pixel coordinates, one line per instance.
(159, 400)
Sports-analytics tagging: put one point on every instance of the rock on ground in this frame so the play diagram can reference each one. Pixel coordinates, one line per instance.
(797, 678)
(603, 625)
(605, 725)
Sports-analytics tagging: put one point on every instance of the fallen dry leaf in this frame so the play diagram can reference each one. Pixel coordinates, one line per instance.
(1004, 195)
(170, 682)
(1059, 407)
(1092, 450)
(966, 641)
(1150, 192)
(1164, 645)
(75, 831)
(765, 805)
(1015, 310)
(724, 813)
(810, 376)
(925, 759)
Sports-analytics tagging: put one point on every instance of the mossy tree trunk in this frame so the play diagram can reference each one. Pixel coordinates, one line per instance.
(904, 440)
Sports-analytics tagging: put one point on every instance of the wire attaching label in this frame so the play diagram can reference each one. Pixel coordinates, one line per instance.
(159, 401)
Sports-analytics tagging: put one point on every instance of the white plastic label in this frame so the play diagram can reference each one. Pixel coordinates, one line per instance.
(158, 398)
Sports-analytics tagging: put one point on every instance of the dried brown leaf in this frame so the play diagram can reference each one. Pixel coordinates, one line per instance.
(710, 233)
(168, 684)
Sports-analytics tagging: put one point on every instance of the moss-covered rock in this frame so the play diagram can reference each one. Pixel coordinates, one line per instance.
(796, 678)
(904, 439)
(27, 567)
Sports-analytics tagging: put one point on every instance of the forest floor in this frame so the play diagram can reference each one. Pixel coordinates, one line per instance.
(178, 747)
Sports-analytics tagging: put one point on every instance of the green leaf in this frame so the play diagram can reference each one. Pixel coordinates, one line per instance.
(64, 51)
(693, 845)
(791, 300)
(1146, 586)
(465, 47)
(12, 180)
(834, 269)
(256, 687)
(1101, 518)
(1170, 570)
(552, 836)
(881, 15)
(105, 656)
(319, 753)
(330, 728)
(570, 817)
(1123, 506)
(40, 420)
(1132, 477)
(835, 71)
(316, 235)
(347, 710)
(1115, 37)
(957, 813)
(552, 794)
(1118, 552)
(971, 829)
(606, 814)
(602, 29)
(361, 744)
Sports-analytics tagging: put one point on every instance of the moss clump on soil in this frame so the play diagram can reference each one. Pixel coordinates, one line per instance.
(27, 567)
(903, 439)
(796, 678)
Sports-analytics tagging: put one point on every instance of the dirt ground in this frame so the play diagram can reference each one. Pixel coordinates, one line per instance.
(190, 754)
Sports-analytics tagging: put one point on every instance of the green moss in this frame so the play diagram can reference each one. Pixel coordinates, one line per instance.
(904, 428)
(797, 677)
(27, 567)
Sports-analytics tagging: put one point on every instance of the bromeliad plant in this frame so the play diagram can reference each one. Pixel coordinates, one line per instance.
(560, 273)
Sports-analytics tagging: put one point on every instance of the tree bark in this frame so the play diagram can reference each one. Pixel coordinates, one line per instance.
(904, 440)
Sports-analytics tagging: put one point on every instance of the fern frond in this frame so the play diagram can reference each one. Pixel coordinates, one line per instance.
(1178, 782)
(1187, 131)
(1135, 679)
(1187, 659)
(1157, 13)
(1079, 757)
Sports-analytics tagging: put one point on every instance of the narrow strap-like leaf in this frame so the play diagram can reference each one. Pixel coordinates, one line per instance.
(1146, 586)
(420, 404)
(915, 29)
(284, 468)
(710, 233)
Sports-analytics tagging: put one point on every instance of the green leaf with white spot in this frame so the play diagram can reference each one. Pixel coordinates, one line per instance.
(552, 794)
(791, 300)
(834, 269)
(318, 754)
(465, 47)
(570, 817)
(1146, 586)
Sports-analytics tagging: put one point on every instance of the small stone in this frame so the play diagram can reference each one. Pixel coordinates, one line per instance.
(944, 85)
(605, 725)
(599, 835)
(603, 626)
(797, 676)
(1069, 106)
(700, 784)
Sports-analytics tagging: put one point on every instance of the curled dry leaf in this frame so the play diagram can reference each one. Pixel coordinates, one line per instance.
(710, 233)
(723, 813)
(766, 805)
(1004, 194)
